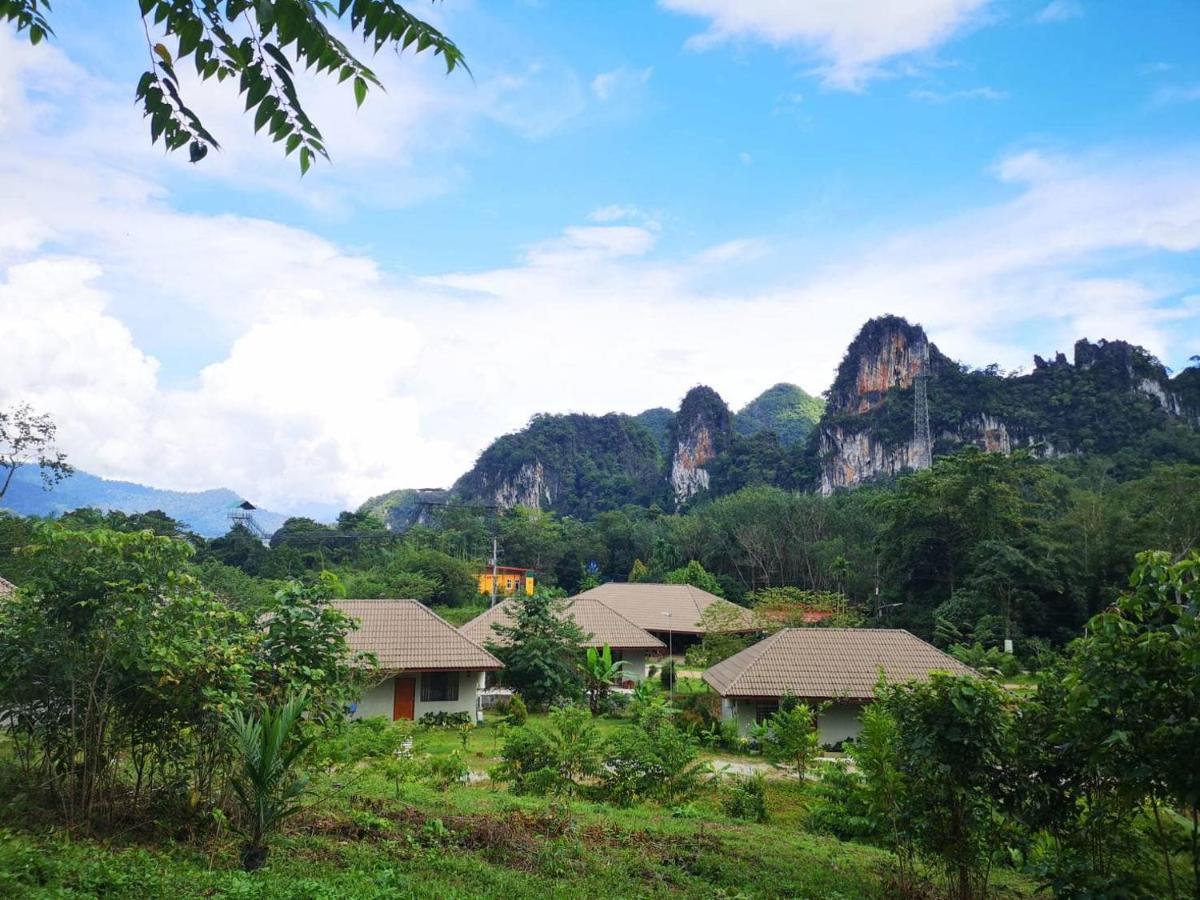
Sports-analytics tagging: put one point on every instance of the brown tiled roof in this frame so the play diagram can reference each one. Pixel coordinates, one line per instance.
(829, 663)
(601, 624)
(405, 636)
(646, 605)
(6, 587)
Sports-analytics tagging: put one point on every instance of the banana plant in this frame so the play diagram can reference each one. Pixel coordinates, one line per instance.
(267, 786)
(601, 674)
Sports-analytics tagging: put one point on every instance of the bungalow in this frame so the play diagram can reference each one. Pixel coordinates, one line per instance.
(426, 664)
(6, 587)
(603, 626)
(815, 665)
(677, 614)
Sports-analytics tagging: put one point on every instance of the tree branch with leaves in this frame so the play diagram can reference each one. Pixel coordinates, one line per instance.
(253, 44)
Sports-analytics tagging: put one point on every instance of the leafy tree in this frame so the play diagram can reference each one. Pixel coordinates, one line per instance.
(254, 45)
(303, 647)
(639, 572)
(267, 786)
(655, 760)
(876, 753)
(558, 758)
(953, 738)
(27, 439)
(540, 651)
(1134, 688)
(695, 575)
(601, 674)
(112, 651)
(790, 737)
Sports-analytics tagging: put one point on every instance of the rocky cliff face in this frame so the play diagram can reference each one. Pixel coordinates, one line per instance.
(1112, 395)
(702, 429)
(527, 487)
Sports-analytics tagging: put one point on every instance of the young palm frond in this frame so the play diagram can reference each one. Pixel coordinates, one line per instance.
(267, 787)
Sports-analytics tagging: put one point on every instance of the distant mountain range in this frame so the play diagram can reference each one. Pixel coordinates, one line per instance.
(1112, 399)
(204, 512)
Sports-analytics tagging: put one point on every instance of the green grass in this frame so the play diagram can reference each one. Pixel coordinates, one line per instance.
(370, 838)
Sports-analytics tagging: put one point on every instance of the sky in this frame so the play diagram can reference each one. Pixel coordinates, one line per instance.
(620, 201)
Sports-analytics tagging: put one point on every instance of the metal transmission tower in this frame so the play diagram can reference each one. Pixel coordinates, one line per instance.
(922, 440)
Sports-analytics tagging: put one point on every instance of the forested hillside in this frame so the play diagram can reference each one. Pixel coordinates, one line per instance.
(1112, 399)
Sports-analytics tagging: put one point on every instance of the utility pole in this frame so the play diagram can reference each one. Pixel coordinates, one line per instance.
(670, 658)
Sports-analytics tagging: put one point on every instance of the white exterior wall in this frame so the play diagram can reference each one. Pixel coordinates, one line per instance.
(838, 723)
(378, 700)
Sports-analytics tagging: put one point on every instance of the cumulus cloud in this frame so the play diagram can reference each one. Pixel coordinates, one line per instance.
(296, 369)
(850, 42)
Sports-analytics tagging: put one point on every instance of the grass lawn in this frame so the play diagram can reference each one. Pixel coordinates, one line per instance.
(370, 838)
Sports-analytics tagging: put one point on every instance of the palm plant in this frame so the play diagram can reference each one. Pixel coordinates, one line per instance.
(601, 674)
(267, 787)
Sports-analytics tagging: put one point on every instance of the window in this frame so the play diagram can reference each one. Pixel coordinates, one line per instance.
(439, 687)
(764, 709)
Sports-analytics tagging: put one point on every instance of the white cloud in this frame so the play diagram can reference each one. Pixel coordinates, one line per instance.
(980, 93)
(1172, 94)
(608, 85)
(851, 42)
(745, 158)
(1059, 11)
(315, 375)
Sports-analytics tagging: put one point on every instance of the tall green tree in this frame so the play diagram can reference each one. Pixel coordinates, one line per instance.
(1134, 688)
(541, 651)
(953, 735)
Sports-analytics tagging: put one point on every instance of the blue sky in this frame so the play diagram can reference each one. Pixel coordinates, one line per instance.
(645, 196)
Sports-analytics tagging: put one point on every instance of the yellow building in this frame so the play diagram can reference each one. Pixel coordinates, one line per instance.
(509, 580)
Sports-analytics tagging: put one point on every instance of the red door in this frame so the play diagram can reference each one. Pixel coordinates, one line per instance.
(404, 698)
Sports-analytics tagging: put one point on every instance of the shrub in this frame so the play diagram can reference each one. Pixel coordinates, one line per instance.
(376, 737)
(666, 675)
(840, 804)
(653, 761)
(555, 759)
(790, 737)
(443, 719)
(518, 714)
(745, 797)
(445, 769)
(266, 784)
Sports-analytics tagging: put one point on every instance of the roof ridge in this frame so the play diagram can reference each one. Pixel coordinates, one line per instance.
(620, 616)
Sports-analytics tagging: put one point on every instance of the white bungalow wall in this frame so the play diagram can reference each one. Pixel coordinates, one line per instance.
(378, 700)
(838, 723)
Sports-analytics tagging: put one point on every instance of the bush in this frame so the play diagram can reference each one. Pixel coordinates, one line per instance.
(841, 806)
(445, 769)
(518, 714)
(443, 719)
(992, 661)
(653, 761)
(372, 738)
(746, 798)
(790, 737)
(666, 675)
(556, 759)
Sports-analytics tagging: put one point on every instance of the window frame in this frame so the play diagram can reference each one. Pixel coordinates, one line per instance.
(440, 687)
